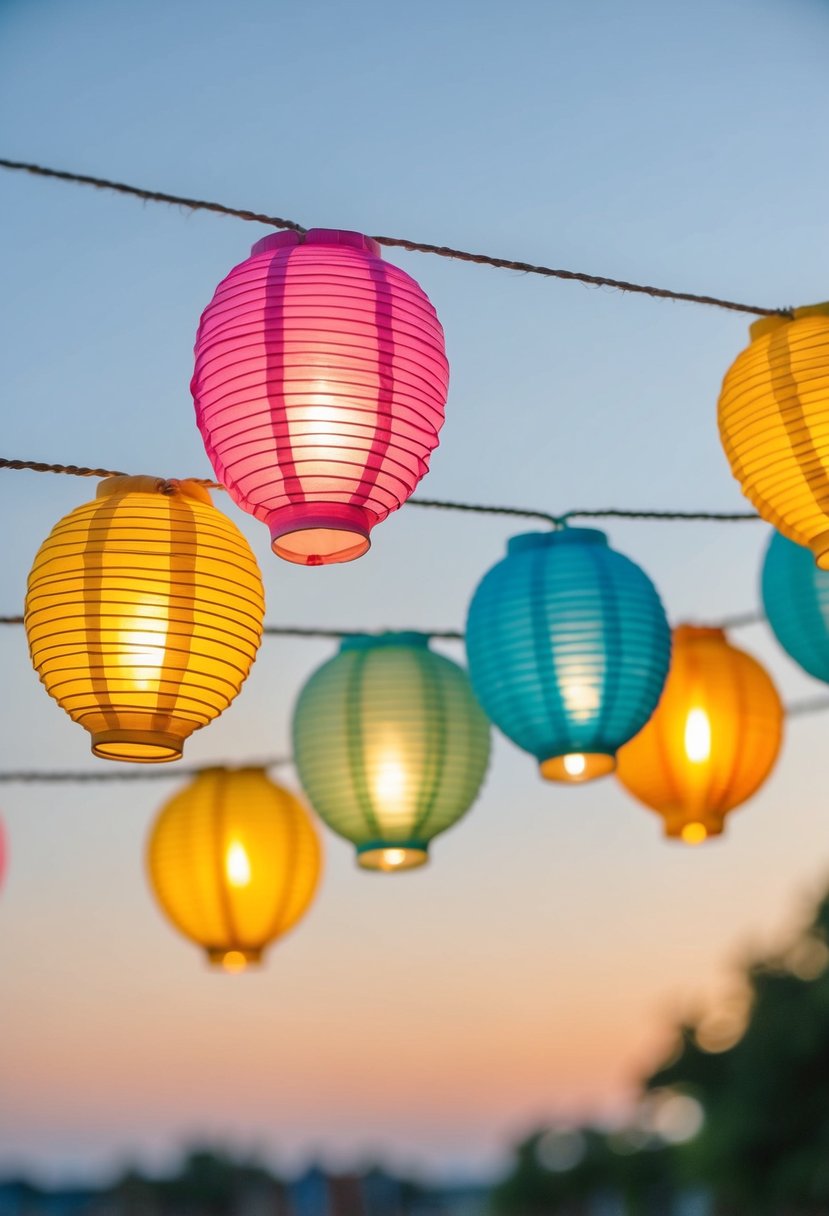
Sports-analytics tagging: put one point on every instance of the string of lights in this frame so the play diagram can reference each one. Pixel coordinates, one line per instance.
(442, 251)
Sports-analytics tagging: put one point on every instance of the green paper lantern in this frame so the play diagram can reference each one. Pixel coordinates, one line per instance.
(391, 746)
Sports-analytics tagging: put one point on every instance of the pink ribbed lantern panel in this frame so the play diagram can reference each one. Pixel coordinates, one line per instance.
(320, 386)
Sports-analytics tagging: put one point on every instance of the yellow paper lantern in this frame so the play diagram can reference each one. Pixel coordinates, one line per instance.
(234, 862)
(774, 424)
(712, 741)
(144, 613)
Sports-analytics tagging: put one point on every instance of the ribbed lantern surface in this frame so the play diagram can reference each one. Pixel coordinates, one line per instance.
(796, 601)
(568, 648)
(234, 862)
(320, 385)
(712, 741)
(391, 746)
(774, 424)
(144, 613)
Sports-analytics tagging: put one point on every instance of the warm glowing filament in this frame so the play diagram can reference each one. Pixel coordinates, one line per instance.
(394, 857)
(698, 736)
(142, 652)
(575, 764)
(237, 865)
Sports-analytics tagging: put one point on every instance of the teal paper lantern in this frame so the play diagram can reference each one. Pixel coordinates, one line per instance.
(796, 601)
(568, 647)
(391, 746)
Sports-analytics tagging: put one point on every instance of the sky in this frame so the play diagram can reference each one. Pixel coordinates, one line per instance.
(533, 971)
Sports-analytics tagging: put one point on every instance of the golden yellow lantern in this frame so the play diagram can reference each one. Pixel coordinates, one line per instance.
(144, 613)
(234, 861)
(774, 424)
(712, 741)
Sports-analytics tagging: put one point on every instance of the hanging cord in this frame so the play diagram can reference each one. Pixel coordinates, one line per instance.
(442, 504)
(441, 251)
(173, 772)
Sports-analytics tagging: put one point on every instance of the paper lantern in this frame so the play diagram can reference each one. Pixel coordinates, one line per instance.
(234, 861)
(796, 601)
(144, 613)
(712, 741)
(774, 424)
(391, 746)
(320, 385)
(568, 648)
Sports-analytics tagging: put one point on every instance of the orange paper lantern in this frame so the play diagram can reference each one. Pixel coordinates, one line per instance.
(712, 740)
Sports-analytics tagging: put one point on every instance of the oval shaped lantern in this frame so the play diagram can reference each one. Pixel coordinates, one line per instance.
(320, 385)
(568, 647)
(144, 613)
(712, 741)
(391, 746)
(796, 601)
(234, 861)
(774, 424)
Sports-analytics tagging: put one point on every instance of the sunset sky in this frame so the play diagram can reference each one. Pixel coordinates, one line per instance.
(533, 970)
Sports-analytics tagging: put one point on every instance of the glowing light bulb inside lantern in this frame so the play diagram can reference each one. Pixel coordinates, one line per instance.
(237, 865)
(394, 857)
(581, 697)
(390, 784)
(142, 652)
(316, 425)
(697, 736)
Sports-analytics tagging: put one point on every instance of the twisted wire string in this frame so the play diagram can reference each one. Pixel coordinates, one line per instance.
(441, 251)
(443, 504)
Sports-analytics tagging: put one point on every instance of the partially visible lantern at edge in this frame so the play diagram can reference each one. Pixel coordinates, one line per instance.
(568, 647)
(712, 741)
(234, 862)
(144, 613)
(391, 746)
(774, 424)
(320, 384)
(796, 601)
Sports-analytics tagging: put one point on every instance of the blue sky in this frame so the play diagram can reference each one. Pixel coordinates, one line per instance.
(681, 145)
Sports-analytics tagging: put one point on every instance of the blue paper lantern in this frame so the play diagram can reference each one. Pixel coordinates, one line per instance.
(568, 647)
(796, 601)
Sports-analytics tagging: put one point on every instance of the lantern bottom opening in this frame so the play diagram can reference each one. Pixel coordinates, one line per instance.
(320, 536)
(237, 959)
(577, 767)
(693, 831)
(137, 747)
(388, 858)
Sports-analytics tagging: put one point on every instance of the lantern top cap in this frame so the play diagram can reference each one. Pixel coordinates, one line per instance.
(370, 641)
(687, 632)
(766, 325)
(316, 236)
(564, 536)
(116, 486)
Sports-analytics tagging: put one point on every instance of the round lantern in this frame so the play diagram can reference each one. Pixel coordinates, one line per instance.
(320, 385)
(796, 601)
(568, 649)
(144, 613)
(774, 424)
(234, 862)
(391, 746)
(712, 741)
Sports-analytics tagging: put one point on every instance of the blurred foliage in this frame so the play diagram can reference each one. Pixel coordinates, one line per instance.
(763, 1084)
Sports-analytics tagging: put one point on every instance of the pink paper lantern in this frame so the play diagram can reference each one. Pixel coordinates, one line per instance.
(320, 386)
